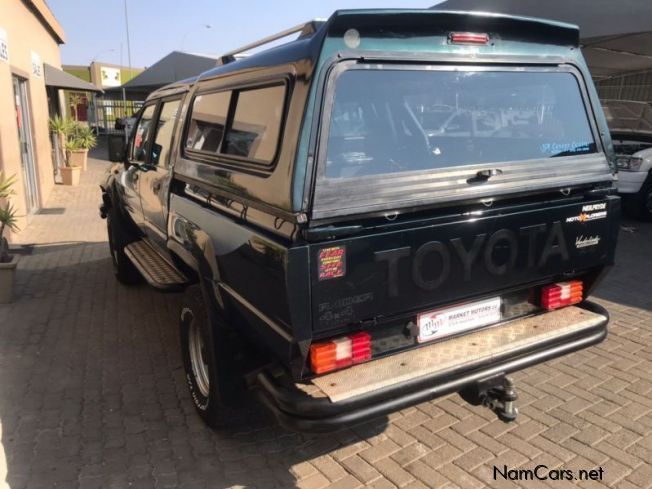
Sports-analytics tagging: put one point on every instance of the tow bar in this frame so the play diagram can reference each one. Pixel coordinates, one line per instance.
(497, 394)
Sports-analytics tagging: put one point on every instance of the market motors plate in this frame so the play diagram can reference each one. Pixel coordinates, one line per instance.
(457, 319)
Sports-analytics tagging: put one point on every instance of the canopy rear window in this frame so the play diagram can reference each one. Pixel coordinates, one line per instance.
(389, 121)
(404, 136)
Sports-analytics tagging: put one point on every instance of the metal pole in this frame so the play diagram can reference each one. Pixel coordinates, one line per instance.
(128, 41)
(124, 111)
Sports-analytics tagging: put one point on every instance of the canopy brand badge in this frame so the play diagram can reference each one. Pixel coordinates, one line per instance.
(586, 241)
(590, 212)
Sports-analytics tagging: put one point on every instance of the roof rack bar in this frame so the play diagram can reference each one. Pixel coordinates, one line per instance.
(307, 28)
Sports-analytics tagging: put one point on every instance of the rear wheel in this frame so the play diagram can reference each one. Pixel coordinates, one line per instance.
(123, 269)
(209, 360)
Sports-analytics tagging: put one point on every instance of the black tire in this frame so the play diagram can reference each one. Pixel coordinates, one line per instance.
(214, 387)
(123, 269)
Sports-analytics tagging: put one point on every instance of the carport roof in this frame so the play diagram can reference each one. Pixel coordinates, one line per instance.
(628, 117)
(616, 36)
(54, 77)
(171, 68)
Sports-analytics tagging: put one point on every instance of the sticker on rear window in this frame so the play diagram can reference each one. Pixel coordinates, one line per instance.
(332, 262)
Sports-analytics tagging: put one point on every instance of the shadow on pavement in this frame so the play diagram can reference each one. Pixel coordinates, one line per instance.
(630, 280)
(93, 392)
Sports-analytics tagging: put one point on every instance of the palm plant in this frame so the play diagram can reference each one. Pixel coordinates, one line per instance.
(62, 128)
(60, 125)
(84, 137)
(6, 185)
(8, 215)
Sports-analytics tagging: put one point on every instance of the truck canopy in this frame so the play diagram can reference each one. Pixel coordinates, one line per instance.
(420, 105)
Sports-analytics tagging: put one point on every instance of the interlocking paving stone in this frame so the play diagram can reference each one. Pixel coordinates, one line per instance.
(93, 395)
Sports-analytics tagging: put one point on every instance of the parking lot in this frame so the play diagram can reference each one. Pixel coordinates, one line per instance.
(92, 391)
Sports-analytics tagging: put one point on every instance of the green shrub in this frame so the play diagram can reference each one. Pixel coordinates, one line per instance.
(8, 215)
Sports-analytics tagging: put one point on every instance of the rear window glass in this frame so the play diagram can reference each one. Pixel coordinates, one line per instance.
(208, 121)
(256, 124)
(388, 121)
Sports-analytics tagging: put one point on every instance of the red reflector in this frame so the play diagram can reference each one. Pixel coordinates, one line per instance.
(469, 38)
(340, 352)
(562, 294)
(361, 347)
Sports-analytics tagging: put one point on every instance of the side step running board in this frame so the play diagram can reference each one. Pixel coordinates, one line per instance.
(157, 270)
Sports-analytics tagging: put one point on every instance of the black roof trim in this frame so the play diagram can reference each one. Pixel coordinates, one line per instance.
(396, 23)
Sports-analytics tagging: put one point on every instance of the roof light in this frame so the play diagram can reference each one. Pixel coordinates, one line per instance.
(352, 38)
(469, 38)
(561, 294)
(340, 352)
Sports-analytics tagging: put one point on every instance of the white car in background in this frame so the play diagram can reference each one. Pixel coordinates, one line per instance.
(630, 124)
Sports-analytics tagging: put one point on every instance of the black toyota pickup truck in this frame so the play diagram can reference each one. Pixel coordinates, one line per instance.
(396, 205)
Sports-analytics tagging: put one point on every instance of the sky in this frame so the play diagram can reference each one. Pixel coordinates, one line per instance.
(96, 30)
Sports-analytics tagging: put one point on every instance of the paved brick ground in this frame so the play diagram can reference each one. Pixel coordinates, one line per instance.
(92, 392)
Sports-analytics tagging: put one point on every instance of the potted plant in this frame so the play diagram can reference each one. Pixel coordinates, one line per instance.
(86, 140)
(61, 128)
(80, 140)
(8, 221)
(70, 174)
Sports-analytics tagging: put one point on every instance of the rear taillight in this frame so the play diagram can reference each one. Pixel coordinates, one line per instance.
(340, 352)
(561, 294)
(468, 38)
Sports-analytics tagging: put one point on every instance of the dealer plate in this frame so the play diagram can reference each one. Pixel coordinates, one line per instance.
(452, 320)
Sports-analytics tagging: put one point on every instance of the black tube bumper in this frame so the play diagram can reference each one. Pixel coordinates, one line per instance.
(297, 411)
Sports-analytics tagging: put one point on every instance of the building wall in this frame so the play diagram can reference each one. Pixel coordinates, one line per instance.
(25, 34)
(92, 73)
(82, 72)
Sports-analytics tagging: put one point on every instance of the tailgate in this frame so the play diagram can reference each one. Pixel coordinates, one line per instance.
(375, 276)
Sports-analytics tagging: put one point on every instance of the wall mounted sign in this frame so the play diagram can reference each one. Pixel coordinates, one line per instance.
(110, 76)
(37, 65)
(4, 46)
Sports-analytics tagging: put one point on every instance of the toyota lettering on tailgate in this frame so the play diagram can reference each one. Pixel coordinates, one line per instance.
(482, 249)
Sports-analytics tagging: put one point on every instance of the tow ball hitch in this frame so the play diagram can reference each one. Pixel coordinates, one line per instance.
(498, 394)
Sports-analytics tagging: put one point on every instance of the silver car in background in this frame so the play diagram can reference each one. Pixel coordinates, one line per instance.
(630, 124)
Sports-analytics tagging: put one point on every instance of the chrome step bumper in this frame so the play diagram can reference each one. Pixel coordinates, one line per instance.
(395, 382)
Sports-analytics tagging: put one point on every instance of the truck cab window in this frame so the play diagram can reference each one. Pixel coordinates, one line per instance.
(208, 120)
(164, 130)
(142, 134)
(256, 124)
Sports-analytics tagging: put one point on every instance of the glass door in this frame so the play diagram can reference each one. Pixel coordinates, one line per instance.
(25, 141)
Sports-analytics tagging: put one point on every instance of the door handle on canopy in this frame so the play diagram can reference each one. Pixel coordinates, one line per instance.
(484, 175)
